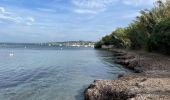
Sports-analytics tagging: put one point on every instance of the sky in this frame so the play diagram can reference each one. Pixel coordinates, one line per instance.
(65, 20)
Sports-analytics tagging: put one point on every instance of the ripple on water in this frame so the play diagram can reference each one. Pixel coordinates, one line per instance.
(53, 75)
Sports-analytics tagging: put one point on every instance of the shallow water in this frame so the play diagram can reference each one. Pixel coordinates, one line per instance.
(52, 73)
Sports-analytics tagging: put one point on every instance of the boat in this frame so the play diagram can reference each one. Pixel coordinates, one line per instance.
(11, 54)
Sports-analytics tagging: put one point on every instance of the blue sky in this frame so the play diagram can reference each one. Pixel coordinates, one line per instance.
(65, 20)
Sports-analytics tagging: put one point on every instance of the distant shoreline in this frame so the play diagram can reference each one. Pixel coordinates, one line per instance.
(66, 43)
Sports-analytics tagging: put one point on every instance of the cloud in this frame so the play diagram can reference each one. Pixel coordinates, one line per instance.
(97, 6)
(91, 6)
(6, 16)
(29, 20)
(46, 10)
(83, 11)
(2, 10)
(138, 2)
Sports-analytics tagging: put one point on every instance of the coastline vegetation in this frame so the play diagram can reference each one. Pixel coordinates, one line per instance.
(149, 31)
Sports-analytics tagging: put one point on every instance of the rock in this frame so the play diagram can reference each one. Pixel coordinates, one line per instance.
(127, 60)
(120, 54)
(122, 62)
(125, 57)
(132, 64)
(137, 69)
(138, 88)
(117, 50)
(151, 80)
(120, 75)
(128, 63)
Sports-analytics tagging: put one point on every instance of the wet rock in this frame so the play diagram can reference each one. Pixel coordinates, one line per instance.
(125, 57)
(122, 62)
(132, 64)
(120, 75)
(120, 54)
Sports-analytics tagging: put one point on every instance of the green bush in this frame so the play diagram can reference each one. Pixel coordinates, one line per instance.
(98, 45)
(160, 39)
(117, 38)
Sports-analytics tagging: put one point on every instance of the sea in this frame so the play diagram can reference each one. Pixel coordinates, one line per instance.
(35, 72)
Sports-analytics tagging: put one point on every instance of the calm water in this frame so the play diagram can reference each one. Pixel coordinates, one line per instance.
(41, 73)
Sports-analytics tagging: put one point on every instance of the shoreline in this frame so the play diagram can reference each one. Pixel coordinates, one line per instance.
(150, 80)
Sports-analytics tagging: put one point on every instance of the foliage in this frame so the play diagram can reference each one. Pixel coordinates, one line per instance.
(160, 39)
(116, 38)
(149, 31)
(98, 45)
(142, 28)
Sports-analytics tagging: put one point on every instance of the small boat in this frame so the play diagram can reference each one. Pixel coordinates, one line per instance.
(49, 45)
(11, 54)
(60, 45)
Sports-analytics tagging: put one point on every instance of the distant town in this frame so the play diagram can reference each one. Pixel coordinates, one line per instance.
(73, 43)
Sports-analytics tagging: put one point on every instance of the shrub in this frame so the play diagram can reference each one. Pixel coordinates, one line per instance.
(160, 39)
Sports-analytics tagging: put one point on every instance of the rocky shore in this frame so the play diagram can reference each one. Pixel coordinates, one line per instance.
(150, 80)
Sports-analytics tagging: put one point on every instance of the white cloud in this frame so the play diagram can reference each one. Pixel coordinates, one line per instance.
(46, 10)
(91, 6)
(2, 10)
(7, 18)
(4, 15)
(138, 2)
(11, 17)
(82, 11)
(97, 6)
(29, 20)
